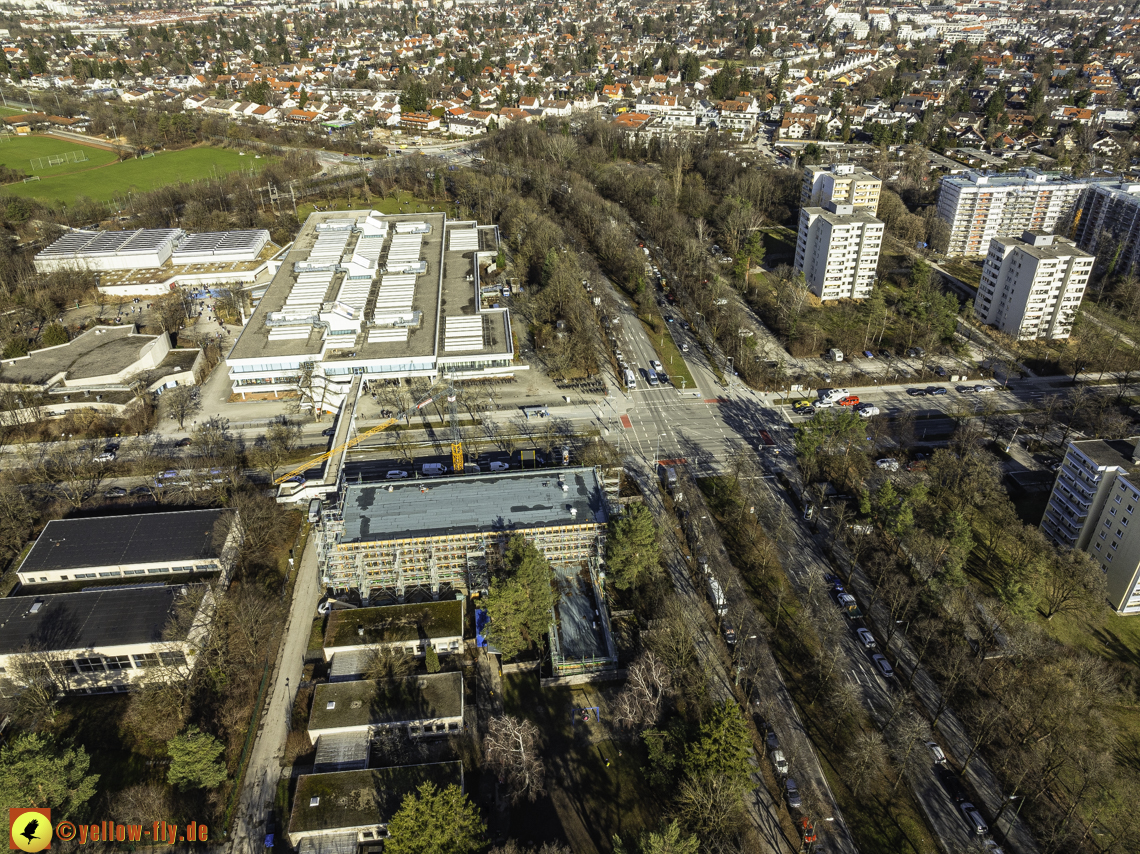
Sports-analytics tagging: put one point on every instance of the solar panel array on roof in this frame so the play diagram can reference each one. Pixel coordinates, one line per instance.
(463, 334)
(390, 335)
(110, 250)
(394, 299)
(463, 240)
(221, 245)
(69, 244)
(329, 246)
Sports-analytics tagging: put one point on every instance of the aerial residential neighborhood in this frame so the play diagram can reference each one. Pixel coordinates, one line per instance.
(504, 428)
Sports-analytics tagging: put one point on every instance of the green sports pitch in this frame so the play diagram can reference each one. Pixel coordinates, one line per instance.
(101, 177)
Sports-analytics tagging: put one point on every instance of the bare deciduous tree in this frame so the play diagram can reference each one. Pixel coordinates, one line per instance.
(639, 703)
(182, 402)
(511, 750)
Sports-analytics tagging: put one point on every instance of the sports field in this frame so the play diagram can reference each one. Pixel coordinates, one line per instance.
(103, 179)
(26, 152)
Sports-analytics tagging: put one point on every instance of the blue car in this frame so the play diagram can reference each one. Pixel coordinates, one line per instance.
(868, 354)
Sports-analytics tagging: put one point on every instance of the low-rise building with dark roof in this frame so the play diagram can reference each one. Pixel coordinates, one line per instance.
(138, 547)
(418, 706)
(98, 641)
(353, 635)
(339, 812)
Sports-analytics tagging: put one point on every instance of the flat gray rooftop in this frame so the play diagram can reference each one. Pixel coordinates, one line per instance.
(97, 352)
(488, 502)
(581, 633)
(374, 703)
(92, 620)
(1109, 452)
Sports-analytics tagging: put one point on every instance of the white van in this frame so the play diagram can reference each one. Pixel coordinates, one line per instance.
(835, 355)
(433, 469)
(630, 379)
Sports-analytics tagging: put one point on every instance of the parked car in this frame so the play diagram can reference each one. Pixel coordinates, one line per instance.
(115, 492)
(887, 464)
(916, 392)
(329, 431)
(952, 784)
(936, 752)
(105, 457)
(941, 371)
(801, 405)
(850, 400)
(184, 443)
(866, 638)
(396, 474)
(916, 352)
(772, 740)
(792, 793)
(497, 466)
(883, 665)
(935, 389)
(974, 818)
(868, 409)
(868, 354)
(780, 763)
(270, 829)
(983, 389)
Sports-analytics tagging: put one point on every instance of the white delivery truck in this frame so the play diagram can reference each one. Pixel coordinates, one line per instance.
(716, 596)
(630, 379)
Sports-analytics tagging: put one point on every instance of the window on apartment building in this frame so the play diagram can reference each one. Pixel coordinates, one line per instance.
(1109, 559)
(148, 659)
(89, 665)
(1114, 546)
(173, 658)
(118, 662)
(1129, 508)
(1112, 512)
(1098, 547)
(1117, 499)
(1103, 534)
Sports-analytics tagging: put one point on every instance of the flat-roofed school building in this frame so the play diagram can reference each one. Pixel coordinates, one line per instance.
(138, 547)
(98, 641)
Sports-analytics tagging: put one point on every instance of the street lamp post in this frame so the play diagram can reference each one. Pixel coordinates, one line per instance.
(657, 450)
(682, 379)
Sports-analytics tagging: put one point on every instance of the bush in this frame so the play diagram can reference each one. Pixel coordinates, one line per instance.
(432, 660)
(15, 347)
(54, 334)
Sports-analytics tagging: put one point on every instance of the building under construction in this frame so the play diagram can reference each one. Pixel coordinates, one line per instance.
(426, 539)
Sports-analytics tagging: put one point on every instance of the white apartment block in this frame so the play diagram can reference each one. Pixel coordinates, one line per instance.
(837, 250)
(981, 207)
(842, 183)
(1031, 287)
(1094, 499)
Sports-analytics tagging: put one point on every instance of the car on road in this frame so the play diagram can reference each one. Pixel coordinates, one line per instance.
(832, 579)
(866, 638)
(845, 601)
(684, 348)
(115, 492)
(780, 763)
(936, 753)
(668, 318)
(935, 389)
(184, 443)
(983, 389)
(497, 466)
(916, 392)
(801, 405)
(396, 474)
(653, 363)
(772, 740)
(883, 665)
(868, 409)
(974, 818)
(329, 431)
(952, 784)
(991, 847)
(105, 457)
(792, 794)
(887, 464)
(850, 400)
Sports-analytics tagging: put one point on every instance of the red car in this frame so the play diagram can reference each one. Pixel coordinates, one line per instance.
(850, 400)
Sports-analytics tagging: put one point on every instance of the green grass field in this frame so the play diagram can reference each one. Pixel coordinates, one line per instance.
(19, 152)
(116, 180)
(11, 111)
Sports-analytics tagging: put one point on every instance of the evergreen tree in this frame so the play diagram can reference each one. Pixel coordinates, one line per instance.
(35, 772)
(195, 760)
(722, 748)
(434, 821)
(632, 551)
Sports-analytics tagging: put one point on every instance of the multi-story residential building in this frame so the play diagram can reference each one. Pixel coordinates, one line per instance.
(1110, 213)
(842, 183)
(1094, 499)
(837, 250)
(981, 207)
(1031, 287)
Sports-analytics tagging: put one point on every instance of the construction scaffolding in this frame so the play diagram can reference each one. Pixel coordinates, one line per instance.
(387, 565)
(580, 637)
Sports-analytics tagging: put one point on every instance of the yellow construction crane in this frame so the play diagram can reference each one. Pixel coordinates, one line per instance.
(383, 425)
(457, 461)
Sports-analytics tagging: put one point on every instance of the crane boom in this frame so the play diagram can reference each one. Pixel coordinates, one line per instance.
(383, 425)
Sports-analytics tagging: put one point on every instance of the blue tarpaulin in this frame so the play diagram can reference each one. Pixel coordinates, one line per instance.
(481, 622)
